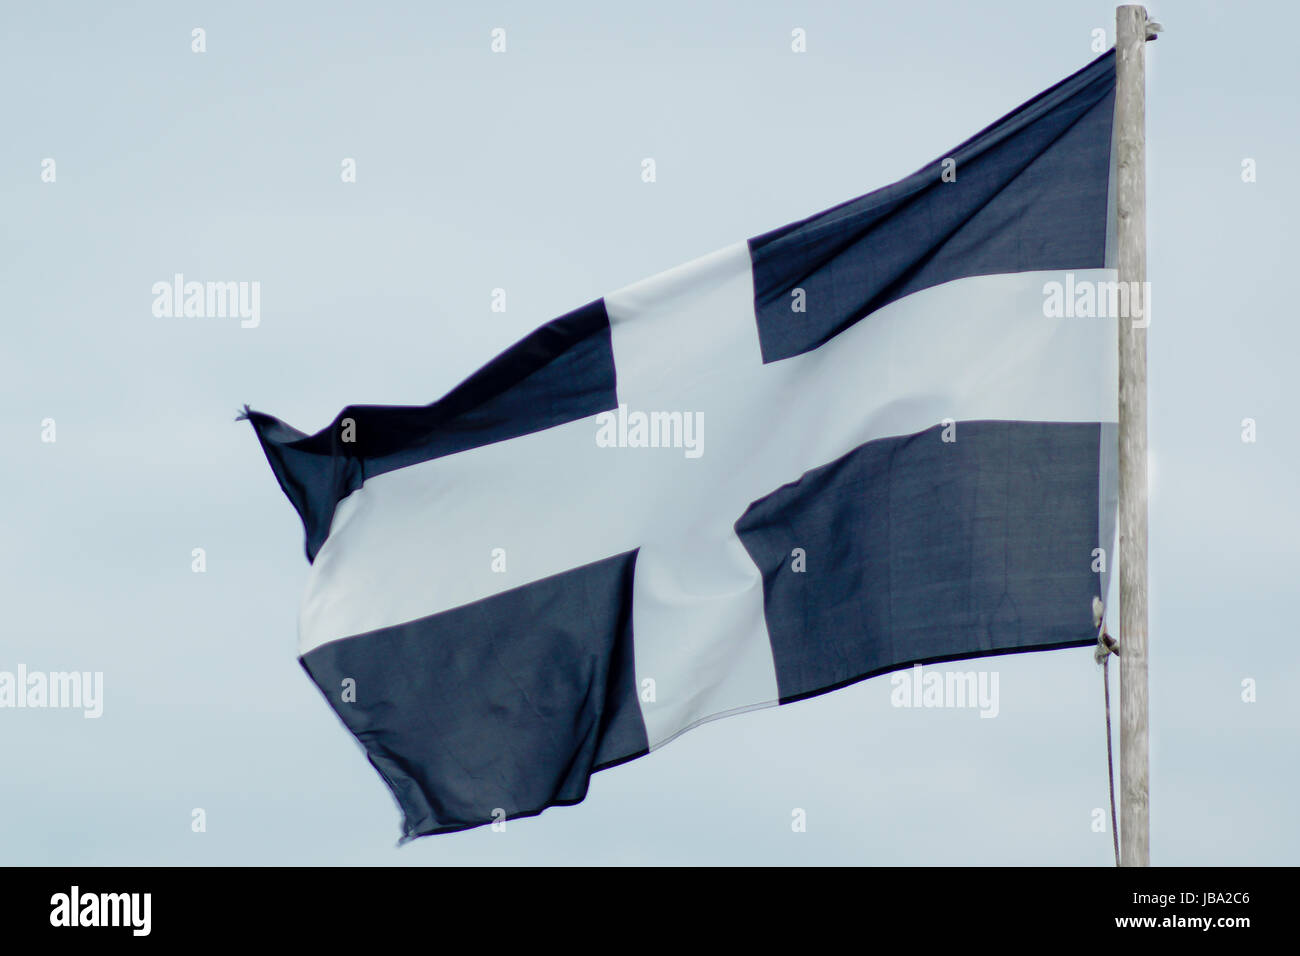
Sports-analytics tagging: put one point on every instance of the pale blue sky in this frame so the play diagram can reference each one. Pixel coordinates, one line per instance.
(522, 171)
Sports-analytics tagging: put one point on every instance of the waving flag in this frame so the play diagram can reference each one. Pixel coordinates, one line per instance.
(859, 442)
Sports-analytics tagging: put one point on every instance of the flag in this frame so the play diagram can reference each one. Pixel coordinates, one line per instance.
(880, 436)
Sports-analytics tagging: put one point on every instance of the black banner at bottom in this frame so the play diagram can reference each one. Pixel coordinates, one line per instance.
(369, 906)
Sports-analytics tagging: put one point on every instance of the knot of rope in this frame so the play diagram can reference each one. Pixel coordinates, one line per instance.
(1106, 645)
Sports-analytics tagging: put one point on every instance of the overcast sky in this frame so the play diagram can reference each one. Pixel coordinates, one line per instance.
(521, 170)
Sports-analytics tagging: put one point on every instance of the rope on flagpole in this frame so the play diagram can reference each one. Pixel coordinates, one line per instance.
(1107, 645)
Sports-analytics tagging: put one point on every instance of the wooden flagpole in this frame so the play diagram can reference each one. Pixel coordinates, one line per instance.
(1130, 138)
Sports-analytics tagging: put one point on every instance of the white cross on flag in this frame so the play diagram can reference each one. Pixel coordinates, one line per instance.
(859, 442)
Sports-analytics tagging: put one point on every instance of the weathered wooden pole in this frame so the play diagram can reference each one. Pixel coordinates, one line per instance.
(1131, 221)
